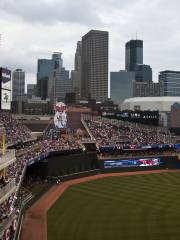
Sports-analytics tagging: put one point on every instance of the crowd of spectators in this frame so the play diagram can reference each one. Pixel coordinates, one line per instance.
(55, 139)
(6, 208)
(108, 133)
(15, 131)
(3, 181)
(138, 153)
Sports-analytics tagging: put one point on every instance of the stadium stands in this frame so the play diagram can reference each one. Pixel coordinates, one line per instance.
(109, 132)
(11, 174)
(106, 133)
(15, 132)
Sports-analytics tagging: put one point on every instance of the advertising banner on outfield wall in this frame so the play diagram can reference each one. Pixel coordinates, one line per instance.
(141, 162)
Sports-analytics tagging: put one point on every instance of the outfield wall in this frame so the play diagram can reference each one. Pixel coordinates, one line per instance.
(75, 162)
(59, 165)
(64, 163)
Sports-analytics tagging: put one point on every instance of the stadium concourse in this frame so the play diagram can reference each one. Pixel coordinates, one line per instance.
(105, 132)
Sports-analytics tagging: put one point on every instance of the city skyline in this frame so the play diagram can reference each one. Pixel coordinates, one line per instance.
(35, 30)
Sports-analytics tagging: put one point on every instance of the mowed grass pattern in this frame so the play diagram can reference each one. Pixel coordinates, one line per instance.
(138, 207)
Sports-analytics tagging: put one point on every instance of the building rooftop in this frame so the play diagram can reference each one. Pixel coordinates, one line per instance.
(169, 71)
(153, 99)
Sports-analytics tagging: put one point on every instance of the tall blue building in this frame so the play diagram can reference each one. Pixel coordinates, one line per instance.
(45, 67)
(59, 81)
(143, 73)
(134, 54)
(121, 86)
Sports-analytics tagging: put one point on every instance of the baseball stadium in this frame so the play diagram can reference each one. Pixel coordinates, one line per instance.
(82, 176)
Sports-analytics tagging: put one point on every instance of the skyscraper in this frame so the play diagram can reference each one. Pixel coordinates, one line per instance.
(147, 89)
(18, 84)
(44, 70)
(57, 61)
(76, 73)
(31, 90)
(59, 82)
(143, 73)
(134, 54)
(121, 85)
(171, 82)
(94, 84)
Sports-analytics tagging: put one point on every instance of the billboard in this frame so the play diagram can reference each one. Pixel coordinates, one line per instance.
(60, 117)
(145, 117)
(5, 99)
(141, 162)
(6, 79)
(5, 75)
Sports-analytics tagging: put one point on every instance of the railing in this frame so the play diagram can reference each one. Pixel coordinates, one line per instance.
(19, 186)
(14, 143)
(87, 129)
(46, 129)
(7, 189)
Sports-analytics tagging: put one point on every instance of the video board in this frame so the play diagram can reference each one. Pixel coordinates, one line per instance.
(60, 117)
(141, 162)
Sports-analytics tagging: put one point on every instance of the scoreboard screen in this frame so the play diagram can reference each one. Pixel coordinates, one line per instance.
(141, 162)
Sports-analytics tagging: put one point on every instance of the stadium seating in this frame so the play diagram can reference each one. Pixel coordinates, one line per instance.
(108, 133)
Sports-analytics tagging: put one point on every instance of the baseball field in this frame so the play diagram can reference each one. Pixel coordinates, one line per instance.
(133, 207)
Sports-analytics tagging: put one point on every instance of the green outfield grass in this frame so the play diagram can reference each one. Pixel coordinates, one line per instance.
(139, 207)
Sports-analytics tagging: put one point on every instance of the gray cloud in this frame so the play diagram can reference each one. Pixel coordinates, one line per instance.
(34, 29)
(49, 12)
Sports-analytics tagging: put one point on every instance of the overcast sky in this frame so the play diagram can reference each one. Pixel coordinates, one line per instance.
(34, 29)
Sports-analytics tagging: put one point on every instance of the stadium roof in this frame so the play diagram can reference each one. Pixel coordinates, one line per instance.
(150, 103)
(153, 99)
